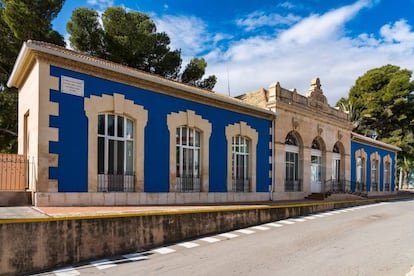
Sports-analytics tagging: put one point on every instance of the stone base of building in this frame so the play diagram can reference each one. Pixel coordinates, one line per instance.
(124, 199)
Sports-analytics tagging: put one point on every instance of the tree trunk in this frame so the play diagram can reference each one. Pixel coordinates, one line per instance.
(405, 185)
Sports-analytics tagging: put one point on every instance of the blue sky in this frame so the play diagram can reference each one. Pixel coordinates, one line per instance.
(250, 44)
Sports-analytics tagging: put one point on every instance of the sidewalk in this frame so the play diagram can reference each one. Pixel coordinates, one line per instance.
(75, 211)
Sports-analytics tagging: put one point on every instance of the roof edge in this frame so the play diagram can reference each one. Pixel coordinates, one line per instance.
(118, 68)
(361, 138)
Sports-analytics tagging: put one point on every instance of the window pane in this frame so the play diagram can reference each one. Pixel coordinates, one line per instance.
(178, 161)
(111, 157)
(101, 155)
(101, 124)
(191, 136)
(197, 138)
(130, 158)
(120, 128)
(130, 129)
(120, 157)
(111, 127)
(184, 131)
(196, 163)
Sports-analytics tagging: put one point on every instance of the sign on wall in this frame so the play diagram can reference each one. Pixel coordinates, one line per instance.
(72, 86)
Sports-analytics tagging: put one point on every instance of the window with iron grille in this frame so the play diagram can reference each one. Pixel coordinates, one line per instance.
(240, 163)
(115, 153)
(374, 175)
(387, 175)
(292, 181)
(360, 174)
(188, 158)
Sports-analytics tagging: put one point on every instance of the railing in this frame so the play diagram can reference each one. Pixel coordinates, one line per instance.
(13, 172)
(116, 183)
(360, 187)
(293, 185)
(241, 185)
(343, 186)
(188, 184)
(337, 186)
(387, 187)
(374, 186)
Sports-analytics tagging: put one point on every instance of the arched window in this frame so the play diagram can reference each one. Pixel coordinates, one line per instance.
(375, 169)
(316, 166)
(361, 165)
(292, 181)
(188, 159)
(240, 163)
(115, 153)
(336, 170)
(387, 173)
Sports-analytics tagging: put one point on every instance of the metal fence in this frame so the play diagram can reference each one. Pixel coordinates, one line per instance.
(116, 183)
(188, 184)
(241, 185)
(14, 170)
(293, 185)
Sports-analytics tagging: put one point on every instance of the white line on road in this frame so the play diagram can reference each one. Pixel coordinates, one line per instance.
(163, 250)
(245, 231)
(188, 244)
(135, 257)
(286, 221)
(103, 264)
(298, 219)
(228, 235)
(261, 228)
(209, 239)
(67, 271)
(274, 225)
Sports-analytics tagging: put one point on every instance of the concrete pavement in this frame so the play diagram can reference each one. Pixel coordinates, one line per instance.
(27, 212)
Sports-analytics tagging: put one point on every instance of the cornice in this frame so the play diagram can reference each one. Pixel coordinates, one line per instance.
(319, 116)
(71, 60)
(371, 142)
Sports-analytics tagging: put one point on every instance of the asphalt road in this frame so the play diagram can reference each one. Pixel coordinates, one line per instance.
(375, 239)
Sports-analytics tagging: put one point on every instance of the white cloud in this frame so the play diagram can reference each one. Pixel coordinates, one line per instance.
(186, 33)
(260, 19)
(102, 4)
(400, 31)
(319, 27)
(314, 47)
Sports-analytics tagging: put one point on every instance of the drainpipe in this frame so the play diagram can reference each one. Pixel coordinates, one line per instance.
(272, 186)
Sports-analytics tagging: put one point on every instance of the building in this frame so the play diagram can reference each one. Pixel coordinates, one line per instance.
(99, 133)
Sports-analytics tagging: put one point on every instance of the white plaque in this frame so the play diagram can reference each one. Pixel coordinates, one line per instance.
(72, 86)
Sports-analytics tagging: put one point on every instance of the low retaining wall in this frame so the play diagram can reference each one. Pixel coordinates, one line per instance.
(33, 245)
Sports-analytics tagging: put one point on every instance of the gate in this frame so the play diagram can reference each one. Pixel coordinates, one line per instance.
(13, 172)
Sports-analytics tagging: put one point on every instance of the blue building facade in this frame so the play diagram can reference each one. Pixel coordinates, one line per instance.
(95, 128)
(373, 165)
(99, 133)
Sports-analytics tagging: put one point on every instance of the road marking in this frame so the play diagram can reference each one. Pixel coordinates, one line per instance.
(188, 244)
(274, 225)
(245, 231)
(298, 219)
(135, 257)
(335, 212)
(67, 271)
(286, 221)
(163, 250)
(209, 240)
(261, 228)
(228, 235)
(328, 214)
(103, 264)
(319, 216)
